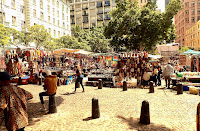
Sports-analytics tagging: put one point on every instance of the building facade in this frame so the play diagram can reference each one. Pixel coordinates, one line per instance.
(193, 36)
(92, 13)
(186, 18)
(54, 15)
(166, 3)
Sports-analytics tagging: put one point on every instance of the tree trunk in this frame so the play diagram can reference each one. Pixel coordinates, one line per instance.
(140, 46)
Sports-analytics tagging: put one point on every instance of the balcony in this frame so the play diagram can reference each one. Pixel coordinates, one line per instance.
(71, 15)
(100, 5)
(84, 8)
(100, 19)
(100, 12)
(85, 21)
(85, 27)
(106, 5)
(106, 12)
(71, 9)
(72, 22)
(108, 18)
(85, 14)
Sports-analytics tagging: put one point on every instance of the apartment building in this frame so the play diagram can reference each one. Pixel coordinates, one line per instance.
(193, 36)
(92, 13)
(54, 15)
(185, 19)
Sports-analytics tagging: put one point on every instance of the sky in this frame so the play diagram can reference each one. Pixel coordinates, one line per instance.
(161, 5)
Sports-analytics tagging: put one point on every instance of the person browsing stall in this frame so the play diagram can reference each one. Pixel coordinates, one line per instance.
(79, 78)
(50, 85)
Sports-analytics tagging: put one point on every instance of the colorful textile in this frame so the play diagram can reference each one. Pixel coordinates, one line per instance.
(15, 100)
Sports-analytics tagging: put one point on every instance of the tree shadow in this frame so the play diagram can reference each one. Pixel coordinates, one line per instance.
(134, 124)
(34, 112)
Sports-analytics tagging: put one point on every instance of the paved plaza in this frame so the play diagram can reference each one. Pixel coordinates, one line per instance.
(119, 110)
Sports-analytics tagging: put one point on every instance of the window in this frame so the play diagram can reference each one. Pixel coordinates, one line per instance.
(14, 23)
(193, 11)
(34, 2)
(107, 3)
(186, 20)
(67, 18)
(192, 3)
(41, 15)
(63, 24)
(48, 8)
(186, 4)
(54, 32)
(13, 4)
(49, 20)
(58, 23)
(41, 4)
(57, 4)
(193, 19)
(53, 2)
(71, 1)
(53, 12)
(198, 18)
(92, 4)
(34, 13)
(187, 12)
(22, 9)
(77, 1)
(48, 1)
(141, 1)
(49, 30)
(2, 17)
(58, 33)
(198, 10)
(62, 7)
(54, 21)
(198, 2)
(78, 6)
(66, 10)
(58, 13)
(63, 16)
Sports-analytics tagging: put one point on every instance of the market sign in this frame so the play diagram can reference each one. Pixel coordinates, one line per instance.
(183, 60)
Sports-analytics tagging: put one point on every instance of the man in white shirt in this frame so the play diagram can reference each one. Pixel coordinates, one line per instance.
(167, 72)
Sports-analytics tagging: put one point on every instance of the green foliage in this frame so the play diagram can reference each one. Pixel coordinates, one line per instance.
(140, 28)
(39, 35)
(94, 38)
(184, 49)
(16, 35)
(73, 43)
(4, 36)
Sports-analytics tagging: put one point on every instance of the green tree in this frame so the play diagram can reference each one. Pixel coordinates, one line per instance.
(93, 38)
(39, 35)
(16, 37)
(4, 36)
(73, 43)
(140, 28)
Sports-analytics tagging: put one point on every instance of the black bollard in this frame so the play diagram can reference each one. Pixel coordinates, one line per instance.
(180, 89)
(58, 83)
(100, 84)
(151, 87)
(145, 116)
(95, 108)
(52, 104)
(198, 117)
(124, 86)
(20, 81)
(40, 81)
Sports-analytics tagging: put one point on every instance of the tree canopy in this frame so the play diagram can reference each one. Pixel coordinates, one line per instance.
(39, 35)
(140, 28)
(4, 36)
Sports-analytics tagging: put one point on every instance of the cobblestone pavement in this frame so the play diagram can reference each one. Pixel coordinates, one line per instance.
(119, 110)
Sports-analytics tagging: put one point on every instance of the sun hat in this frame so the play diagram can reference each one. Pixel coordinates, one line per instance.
(48, 72)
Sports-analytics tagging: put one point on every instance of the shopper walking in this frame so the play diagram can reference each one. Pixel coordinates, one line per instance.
(167, 72)
(79, 78)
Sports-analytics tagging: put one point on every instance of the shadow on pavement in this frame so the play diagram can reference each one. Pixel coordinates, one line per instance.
(69, 93)
(87, 119)
(135, 125)
(34, 112)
